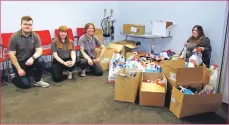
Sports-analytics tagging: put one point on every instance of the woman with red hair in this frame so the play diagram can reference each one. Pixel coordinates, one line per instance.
(64, 55)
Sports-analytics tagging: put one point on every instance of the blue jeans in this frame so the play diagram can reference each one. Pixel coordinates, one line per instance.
(34, 70)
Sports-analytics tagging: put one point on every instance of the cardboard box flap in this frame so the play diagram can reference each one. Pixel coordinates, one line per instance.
(117, 47)
(169, 24)
(189, 76)
(206, 76)
(127, 43)
(203, 98)
(108, 52)
(177, 95)
(175, 64)
(149, 76)
(151, 87)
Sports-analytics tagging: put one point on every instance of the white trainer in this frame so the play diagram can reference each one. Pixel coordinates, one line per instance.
(69, 75)
(41, 84)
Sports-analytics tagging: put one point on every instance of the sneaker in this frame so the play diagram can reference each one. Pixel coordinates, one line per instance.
(83, 74)
(41, 84)
(69, 75)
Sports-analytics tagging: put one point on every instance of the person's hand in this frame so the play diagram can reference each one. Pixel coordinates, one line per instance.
(21, 72)
(67, 63)
(194, 50)
(201, 49)
(29, 62)
(185, 44)
(97, 60)
(71, 63)
(90, 62)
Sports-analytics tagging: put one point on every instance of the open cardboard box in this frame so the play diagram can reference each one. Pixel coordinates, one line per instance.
(177, 74)
(126, 86)
(128, 54)
(162, 28)
(152, 94)
(183, 105)
(123, 46)
(105, 60)
(187, 105)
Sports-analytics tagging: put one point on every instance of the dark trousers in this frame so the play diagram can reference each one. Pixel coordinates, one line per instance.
(34, 70)
(206, 61)
(57, 70)
(96, 68)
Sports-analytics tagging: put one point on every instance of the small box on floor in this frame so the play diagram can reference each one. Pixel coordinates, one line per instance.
(153, 89)
(126, 85)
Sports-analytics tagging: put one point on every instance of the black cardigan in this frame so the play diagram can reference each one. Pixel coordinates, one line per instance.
(203, 42)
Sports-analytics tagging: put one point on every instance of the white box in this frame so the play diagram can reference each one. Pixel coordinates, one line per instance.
(162, 28)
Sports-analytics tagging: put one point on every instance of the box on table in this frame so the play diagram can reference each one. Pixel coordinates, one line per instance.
(162, 28)
(136, 29)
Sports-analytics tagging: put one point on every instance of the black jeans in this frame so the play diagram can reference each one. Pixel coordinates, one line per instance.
(57, 70)
(96, 68)
(206, 61)
(35, 70)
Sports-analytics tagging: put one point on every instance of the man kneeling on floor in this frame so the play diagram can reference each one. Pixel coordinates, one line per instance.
(25, 51)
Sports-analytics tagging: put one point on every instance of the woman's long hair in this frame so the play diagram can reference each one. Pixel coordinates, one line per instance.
(67, 40)
(200, 33)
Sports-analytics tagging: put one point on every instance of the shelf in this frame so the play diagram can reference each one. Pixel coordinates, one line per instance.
(145, 36)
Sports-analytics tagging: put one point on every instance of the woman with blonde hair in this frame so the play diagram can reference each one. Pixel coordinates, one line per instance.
(88, 43)
(64, 55)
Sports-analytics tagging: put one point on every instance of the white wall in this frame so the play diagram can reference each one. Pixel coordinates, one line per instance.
(211, 15)
(51, 14)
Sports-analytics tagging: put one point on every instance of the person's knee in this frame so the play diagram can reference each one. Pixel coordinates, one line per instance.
(40, 60)
(99, 73)
(22, 82)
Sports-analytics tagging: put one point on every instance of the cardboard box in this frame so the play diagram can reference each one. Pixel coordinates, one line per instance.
(105, 60)
(162, 28)
(99, 34)
(135, 29)
(126, 86)
(123, 46)
(177, 74)
(128, 54)
(187, 105)
(152, 94)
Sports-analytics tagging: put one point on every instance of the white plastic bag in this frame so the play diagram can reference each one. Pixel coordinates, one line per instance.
(116, 64)
(214, 76)
(195, 59)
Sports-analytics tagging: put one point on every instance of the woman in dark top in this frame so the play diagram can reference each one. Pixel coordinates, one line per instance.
(64, 55)
(198, 40)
